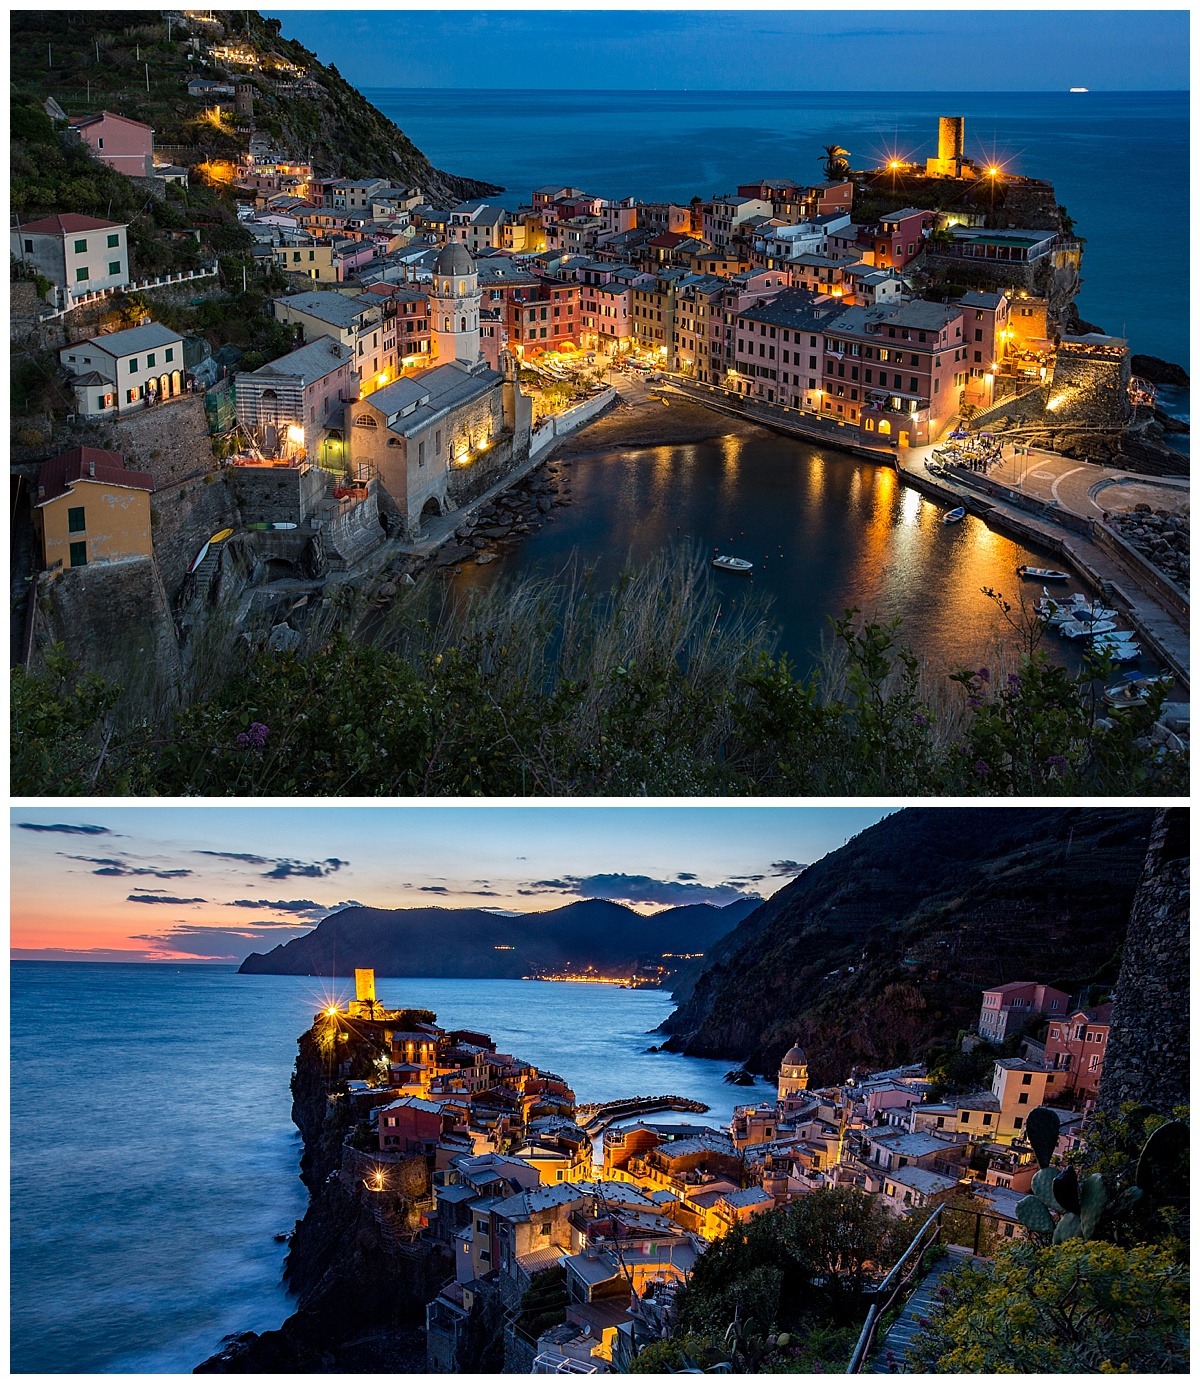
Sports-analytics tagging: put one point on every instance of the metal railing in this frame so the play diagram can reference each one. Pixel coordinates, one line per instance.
(892, 1286)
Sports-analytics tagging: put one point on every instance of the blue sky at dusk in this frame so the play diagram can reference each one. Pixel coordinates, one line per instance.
(746, 49)
(217, 882)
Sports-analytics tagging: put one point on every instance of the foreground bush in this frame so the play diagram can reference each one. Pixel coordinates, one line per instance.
(541, 689)
(1080, 1307)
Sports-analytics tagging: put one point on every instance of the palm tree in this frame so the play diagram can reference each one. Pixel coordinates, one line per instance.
(835, 164)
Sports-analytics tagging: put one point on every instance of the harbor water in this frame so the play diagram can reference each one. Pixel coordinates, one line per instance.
(153, 1156)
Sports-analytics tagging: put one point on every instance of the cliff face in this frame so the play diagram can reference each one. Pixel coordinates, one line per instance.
(1148, 1056)
(360, 1279)
(881, 948)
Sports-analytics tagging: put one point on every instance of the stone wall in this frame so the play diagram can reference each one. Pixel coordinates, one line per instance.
(1088, 389)
(183, 517)
(113, 618)
(466, 483)
(1149, 1041)
(352, 533)
(279, 494)
(170, 441)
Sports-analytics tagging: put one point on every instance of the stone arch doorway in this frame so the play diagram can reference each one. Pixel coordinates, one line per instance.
(164, 386)
(432, 508)
(176, 382)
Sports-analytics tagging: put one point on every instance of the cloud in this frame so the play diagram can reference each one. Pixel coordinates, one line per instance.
(462, 893)
(283, 868)
(432, 889)
(636, 889)
(160, 898)
(216, 943)
(67, 829)
(787, 867)
(282, 905)
(317, 869)
(687, 876)
(95, 954)
(122, 869)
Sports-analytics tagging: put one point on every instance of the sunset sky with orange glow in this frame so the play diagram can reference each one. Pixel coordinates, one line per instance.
(214, 883)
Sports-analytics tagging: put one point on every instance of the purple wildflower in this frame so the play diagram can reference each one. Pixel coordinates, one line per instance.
(1056, 764)
(254, 738)
(919, 720)
(983, 675)
(1014, 682)
(974, 703)
(982, 768)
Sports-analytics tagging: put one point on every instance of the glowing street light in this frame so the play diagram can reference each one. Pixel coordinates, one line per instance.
(993, 172)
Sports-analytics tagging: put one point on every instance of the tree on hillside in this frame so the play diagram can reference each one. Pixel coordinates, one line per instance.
(814, 1257)
(836, 163)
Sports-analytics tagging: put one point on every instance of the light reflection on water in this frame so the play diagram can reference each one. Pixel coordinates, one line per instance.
(826, 532)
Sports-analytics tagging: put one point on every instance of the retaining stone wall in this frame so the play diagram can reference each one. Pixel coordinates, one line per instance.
(170, 440)
(278, 494)
(184, 517)
(1094, 390)
(466, 483)
(112, 617)
(1149, 1041)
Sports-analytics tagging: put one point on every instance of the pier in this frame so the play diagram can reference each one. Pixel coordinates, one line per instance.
(594, 1119)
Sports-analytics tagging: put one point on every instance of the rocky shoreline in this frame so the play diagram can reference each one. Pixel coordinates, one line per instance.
(360, 1299)
(1161, 537)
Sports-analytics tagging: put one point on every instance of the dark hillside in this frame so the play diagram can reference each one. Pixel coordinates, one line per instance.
(134, 63)
(471, 942)
(881, 949)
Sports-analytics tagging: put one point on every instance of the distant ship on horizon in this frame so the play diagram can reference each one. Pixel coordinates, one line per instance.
(1079, 88)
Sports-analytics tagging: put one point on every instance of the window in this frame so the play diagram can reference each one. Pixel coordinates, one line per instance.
(150, 360)
(113, 241)
(133, 365)
(75, 521)
(29, 247)
(1094, 1064)
(1023, 1098)
(546, 1224)
(966, 1114)
(81, 276)
(78, 554)
(1017, 1122)
(114, 266)
(987, 1119)
(170, 354)
(421, 453)
(81, 247)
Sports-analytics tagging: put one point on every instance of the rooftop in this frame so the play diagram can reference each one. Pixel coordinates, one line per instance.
(312, 362)
(57, 474)
(922, 1180)
(134, 339)
(338, 309)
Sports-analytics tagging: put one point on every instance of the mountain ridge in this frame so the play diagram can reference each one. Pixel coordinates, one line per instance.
(476, 943)
(880, 950)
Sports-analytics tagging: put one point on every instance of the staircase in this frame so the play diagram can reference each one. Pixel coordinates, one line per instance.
(888, 1357)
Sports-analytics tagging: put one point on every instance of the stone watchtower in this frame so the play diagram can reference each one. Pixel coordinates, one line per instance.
(454, 307)
(793, 1074)
(1148, 1043)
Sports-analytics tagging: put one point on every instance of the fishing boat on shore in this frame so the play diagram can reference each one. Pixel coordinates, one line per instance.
(1133, 691)
(1080, 629)
(732, 564)
(954, 516)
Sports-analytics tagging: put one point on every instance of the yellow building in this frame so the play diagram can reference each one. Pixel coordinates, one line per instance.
(89, 509)
(1020, 1087)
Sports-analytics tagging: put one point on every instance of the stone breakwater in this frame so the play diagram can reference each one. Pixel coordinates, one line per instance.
(1161, 537)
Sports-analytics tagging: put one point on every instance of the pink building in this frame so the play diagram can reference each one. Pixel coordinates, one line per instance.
(985, 332)
(896, 238)
(1007, 1008)
(124, 144)
(893, 371)
(1077, 1045)
(409, 1124)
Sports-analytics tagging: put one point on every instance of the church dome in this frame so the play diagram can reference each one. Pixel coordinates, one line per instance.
(454, 259)
(795, 1057)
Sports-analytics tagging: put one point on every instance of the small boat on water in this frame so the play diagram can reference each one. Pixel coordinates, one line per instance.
(1133, 691)
(732, 564)
(1042, 574)
(1124, 651)
(954, 516)
(1080, 629)
(200, 556)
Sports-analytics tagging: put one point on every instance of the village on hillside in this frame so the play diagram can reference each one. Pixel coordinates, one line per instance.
(406, 359)
(597, 1214)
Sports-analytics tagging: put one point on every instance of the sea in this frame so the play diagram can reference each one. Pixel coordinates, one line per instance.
(1119, 162)
(153, 1155)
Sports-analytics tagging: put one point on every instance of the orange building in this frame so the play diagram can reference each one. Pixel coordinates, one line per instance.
(89, 508)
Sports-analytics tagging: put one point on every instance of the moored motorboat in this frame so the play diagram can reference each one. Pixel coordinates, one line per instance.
(954, 516)
(732, 564)
(1133, 691)
(1042, 573)
(1080, 629)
